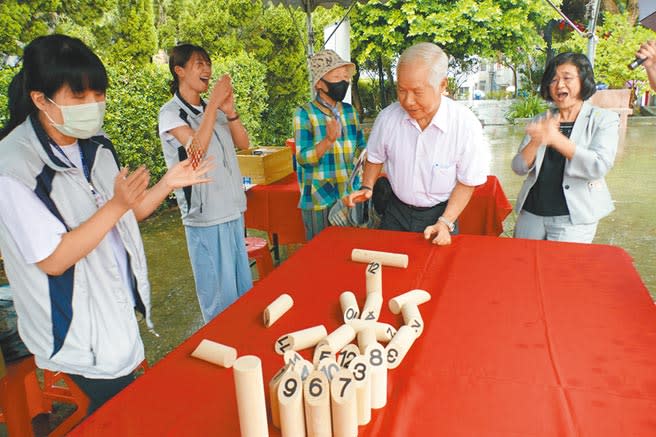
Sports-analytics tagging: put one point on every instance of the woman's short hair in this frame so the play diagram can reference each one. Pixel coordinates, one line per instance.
(431, 55)
(179, 57)
(583, 66)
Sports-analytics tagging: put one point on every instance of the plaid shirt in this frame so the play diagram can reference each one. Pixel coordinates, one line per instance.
(324, 180)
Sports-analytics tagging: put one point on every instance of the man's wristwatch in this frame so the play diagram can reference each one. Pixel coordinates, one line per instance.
(448, 223)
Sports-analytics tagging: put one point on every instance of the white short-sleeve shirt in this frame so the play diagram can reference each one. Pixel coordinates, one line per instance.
(169, 120)
(423, 166)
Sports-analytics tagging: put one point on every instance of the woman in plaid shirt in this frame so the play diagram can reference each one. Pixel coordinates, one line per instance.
(328, 136)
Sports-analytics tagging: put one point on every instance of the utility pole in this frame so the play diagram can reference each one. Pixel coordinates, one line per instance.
(593, 11)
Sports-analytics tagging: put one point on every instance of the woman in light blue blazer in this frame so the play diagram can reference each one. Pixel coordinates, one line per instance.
(566, 154)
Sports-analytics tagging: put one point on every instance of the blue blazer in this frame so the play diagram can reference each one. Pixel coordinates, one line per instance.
(596, 134)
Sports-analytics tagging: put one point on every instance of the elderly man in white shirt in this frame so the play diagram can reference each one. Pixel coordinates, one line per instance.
(433, 150)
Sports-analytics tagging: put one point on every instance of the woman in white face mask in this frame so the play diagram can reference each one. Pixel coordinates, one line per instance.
(68, 220)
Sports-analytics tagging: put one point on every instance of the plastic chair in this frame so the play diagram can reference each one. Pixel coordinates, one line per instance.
(70, 394)
(20, 397)
(258, 249)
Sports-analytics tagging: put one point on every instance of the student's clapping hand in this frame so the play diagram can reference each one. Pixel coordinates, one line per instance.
(130, 188)
(222, 95)
(183, 173)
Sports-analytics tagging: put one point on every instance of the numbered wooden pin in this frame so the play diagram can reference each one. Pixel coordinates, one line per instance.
(303, 368)
(385, 258)
(344, 404)
(251, 405)
(412, 318)
(374, 276)
(329, 367)
(215, 353)
(384, 331)
(397, 349)
(362, 379)
(349, 306)
(339, 338)
(290, 399)
(316, 395)
(375, 355)
(291, 357)
(276, 309)
(347, 354)
(416, 297)
(273, 395)
(372, 306)
(366, 337)
(299, 340)
(321, 351)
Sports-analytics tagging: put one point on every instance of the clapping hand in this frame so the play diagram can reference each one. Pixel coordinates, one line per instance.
(223, 96)
(184, 174)
(543, 131)
(130, 188)
(333, 130)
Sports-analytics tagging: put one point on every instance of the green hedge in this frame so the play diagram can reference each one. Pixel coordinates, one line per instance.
(6, 74)
(133, 101)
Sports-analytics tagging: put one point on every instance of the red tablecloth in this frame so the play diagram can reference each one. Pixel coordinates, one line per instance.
(522, 338)
(274, 208)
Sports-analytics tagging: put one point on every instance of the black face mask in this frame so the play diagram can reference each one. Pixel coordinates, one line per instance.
(336, 90)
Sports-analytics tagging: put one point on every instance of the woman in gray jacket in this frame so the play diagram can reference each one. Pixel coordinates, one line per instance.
(566, 154)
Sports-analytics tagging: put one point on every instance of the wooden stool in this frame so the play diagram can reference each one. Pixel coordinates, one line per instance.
(258, 249)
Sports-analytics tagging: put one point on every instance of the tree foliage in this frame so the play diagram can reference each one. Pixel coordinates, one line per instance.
(130, 32)
(618, 41)
(463, 28)
(505, 30)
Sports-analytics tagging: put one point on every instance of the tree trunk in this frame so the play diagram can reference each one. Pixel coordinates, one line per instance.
(633, 10)
(381, 82)
(390, 79)
(610, 6)
(355, 93)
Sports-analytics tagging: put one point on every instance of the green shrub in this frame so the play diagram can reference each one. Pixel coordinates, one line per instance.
(248, 83)
(134, 97)
(526, 107)
(6, 74)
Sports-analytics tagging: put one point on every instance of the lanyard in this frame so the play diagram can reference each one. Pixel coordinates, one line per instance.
(85, 170)
(332, 109)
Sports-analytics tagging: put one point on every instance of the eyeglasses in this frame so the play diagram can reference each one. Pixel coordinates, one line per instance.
(566, 79)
